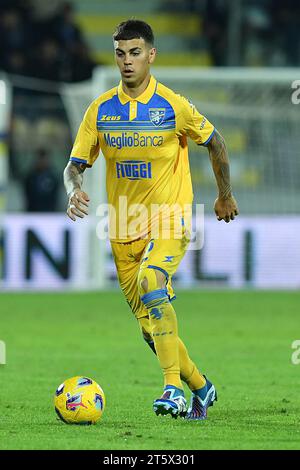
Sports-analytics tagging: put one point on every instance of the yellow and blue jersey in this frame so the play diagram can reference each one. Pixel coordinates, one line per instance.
(144, 142)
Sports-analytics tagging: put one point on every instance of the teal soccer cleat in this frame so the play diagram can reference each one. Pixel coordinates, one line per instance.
(198, 408)
(172, 402)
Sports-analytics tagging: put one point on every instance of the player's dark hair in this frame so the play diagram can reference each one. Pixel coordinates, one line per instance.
(134, 29)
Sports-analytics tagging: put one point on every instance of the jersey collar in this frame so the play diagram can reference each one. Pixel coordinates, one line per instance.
(143, 98)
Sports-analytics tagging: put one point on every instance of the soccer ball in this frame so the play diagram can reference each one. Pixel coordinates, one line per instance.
(79, 400)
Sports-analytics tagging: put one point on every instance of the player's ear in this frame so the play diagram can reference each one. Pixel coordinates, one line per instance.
(152, 55)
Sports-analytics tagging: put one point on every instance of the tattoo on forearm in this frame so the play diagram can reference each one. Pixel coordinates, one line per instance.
(73, 177)
(220, 163)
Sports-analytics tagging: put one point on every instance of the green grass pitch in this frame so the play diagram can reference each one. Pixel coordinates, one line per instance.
(241, 340)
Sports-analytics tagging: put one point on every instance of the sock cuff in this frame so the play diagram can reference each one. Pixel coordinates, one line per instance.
(155, 297)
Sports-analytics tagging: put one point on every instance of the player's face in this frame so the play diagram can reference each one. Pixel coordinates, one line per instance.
(134, 57)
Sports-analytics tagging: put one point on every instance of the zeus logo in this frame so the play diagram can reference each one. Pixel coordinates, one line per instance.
(110, 118)
(134, 170)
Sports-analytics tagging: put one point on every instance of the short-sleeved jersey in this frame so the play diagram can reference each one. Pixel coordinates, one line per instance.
(144, 142)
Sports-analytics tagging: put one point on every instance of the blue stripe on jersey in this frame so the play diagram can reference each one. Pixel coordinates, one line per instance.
(135, 121)
(210, 137)
(156, 115)
(78, 160)
(135, 128)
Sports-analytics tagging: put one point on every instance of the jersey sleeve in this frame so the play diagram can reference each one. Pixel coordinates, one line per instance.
(86, 147)
(193, 124)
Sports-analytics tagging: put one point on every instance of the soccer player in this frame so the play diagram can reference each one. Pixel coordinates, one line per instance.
(142, 127)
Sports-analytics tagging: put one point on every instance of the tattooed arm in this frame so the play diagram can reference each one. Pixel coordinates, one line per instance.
(225, 205)
(78, 199)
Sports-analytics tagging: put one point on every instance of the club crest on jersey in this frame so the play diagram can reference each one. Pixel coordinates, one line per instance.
(157, 115)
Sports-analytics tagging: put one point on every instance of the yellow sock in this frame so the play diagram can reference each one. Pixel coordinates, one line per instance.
(188, 371)
(163, 324)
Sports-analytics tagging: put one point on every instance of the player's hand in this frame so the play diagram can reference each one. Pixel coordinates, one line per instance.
(226, 209)
(78, 204)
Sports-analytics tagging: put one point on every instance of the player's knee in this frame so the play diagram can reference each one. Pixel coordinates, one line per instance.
(161, 279)
(147, 281)
(152, 289)
(144, 285)
(151, 279)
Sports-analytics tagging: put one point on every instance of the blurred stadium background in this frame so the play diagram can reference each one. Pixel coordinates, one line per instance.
(236, 60)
